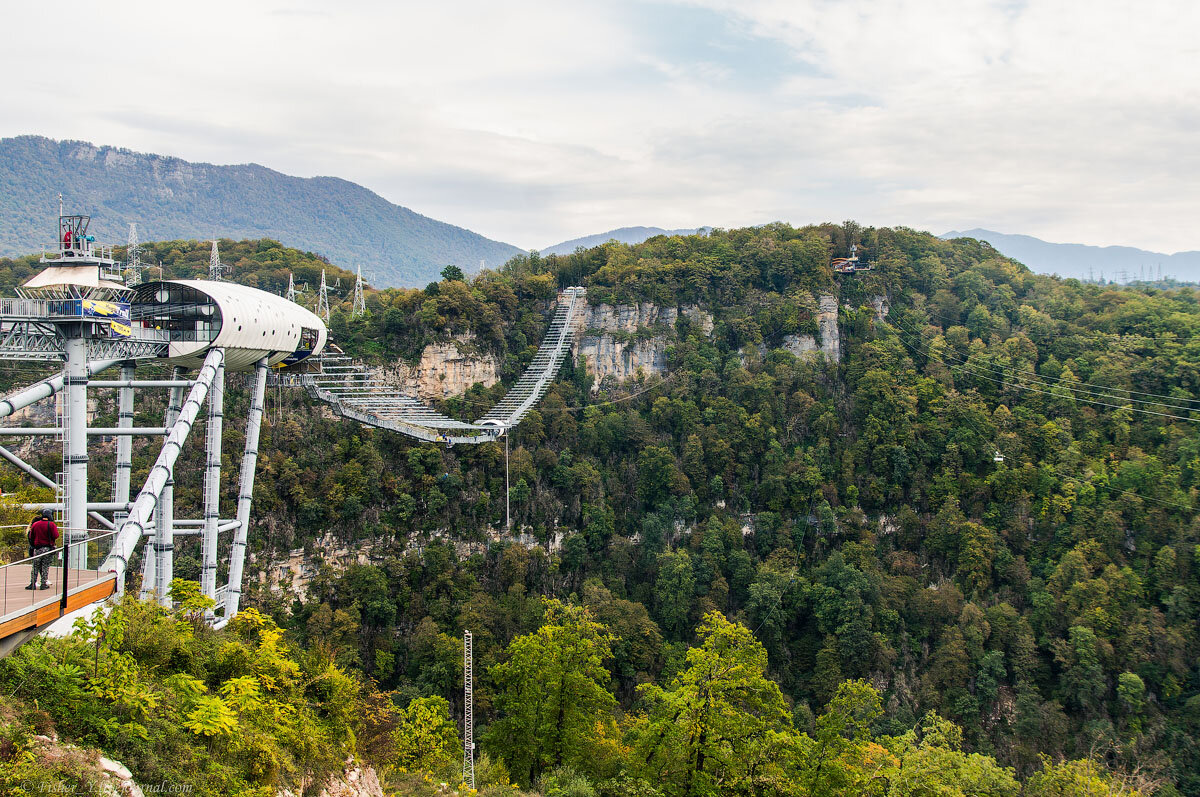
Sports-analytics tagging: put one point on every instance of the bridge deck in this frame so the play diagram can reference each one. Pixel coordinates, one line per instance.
(22, 609)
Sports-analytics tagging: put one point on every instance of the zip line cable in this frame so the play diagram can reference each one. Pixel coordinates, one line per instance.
(1084, 396)
(1049, 381)
(1083, 479)
(1080, 382)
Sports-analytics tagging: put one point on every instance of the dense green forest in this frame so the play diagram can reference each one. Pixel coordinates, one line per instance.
(169, 197)
(963, 560)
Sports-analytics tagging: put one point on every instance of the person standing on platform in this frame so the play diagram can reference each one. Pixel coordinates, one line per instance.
(43, 533)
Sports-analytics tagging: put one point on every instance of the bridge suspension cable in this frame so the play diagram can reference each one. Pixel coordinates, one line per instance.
(354, 393)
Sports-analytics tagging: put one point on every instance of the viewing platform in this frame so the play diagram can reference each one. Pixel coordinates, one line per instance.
(25, 612)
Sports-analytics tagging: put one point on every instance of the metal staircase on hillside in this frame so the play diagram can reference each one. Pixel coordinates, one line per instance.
(351, 390)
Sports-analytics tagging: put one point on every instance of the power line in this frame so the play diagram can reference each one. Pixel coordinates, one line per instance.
(1079, 394)
(989, 435)
(1080, 382)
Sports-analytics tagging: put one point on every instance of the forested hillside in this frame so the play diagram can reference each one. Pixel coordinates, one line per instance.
(172, 198)
(954, 562)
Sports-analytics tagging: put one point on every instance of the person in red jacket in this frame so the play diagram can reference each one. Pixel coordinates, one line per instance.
(43, 533)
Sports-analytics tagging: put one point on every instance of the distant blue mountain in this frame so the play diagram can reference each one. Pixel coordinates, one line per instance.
(1119, 263)
(626, 235)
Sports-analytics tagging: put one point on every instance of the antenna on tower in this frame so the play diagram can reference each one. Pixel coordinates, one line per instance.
(323, 301)
(360, 303)
(215, 266)
(468, 772)
(133, 255)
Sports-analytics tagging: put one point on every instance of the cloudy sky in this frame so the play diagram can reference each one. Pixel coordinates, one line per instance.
(534, 122)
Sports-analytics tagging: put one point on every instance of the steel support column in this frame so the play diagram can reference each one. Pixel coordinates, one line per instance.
(164, 510)
(124, 462)
(75, 458)
(237, 554)
(212, 486)
(131, 531)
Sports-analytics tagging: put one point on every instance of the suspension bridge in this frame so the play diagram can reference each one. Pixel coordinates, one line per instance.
(80, 312)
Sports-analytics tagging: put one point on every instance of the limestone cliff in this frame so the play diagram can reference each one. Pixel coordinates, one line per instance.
(443, 370)
(827, 325)
(618, 341)
(827, 341)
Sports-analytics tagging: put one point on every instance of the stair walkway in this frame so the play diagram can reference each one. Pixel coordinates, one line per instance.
(350, 389)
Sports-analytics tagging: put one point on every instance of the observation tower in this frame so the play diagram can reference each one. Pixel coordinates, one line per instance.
(79, 311)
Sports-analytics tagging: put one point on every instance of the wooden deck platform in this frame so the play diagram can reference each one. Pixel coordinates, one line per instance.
(22, 609)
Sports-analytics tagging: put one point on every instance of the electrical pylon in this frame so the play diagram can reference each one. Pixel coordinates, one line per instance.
(323, 300)
(360, 303)
(468, 769)
(292, 290)
(133, 256)
(215, 266)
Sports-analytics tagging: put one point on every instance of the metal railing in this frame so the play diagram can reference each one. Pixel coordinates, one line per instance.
(61, 579)
(77, 248)
(355, 393)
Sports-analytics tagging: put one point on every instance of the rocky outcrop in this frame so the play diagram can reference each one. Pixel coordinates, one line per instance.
(880, 303)
(443, 370)
(630, 318)
(607, 357)
(827, 325)
(621, 341)
(355, 781)
(828, 340)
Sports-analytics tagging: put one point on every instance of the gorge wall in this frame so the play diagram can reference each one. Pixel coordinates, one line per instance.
(617, 342)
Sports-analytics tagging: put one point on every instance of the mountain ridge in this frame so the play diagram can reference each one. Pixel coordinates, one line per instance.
(626, 235)
(1085, 261)
(171, 198)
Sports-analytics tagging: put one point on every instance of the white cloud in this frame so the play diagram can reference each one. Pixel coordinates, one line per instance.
(534, 122)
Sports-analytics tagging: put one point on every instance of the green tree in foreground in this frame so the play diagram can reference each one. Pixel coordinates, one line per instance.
(554, 700)
(717, 719)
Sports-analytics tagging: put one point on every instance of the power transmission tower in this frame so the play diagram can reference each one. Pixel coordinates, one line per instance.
(360, 303)
(468, 770)
(292, 290)
(133, 255)
(215, 266)
(323, 301)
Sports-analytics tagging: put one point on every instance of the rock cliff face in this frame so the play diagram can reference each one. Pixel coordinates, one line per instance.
(618, 341)
(828, 340)
(444, 370)
(827, 324)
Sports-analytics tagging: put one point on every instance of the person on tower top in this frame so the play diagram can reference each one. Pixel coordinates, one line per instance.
(43, 533)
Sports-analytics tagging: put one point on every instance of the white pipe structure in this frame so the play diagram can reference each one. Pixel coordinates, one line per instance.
(46, 388)
(237, 553)
(46, 481)
(212, 487)
(75, 457)
(110, 431)
(131, 531)
(129, 381)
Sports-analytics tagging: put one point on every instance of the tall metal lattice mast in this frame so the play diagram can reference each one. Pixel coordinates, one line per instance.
(215, 266)
(323, 300)
(360, 303)
(468, 771)
(291, 292)
(133, 256)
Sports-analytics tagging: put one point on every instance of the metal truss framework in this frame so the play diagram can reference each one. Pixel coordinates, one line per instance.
(354, 393)
(29, 331)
